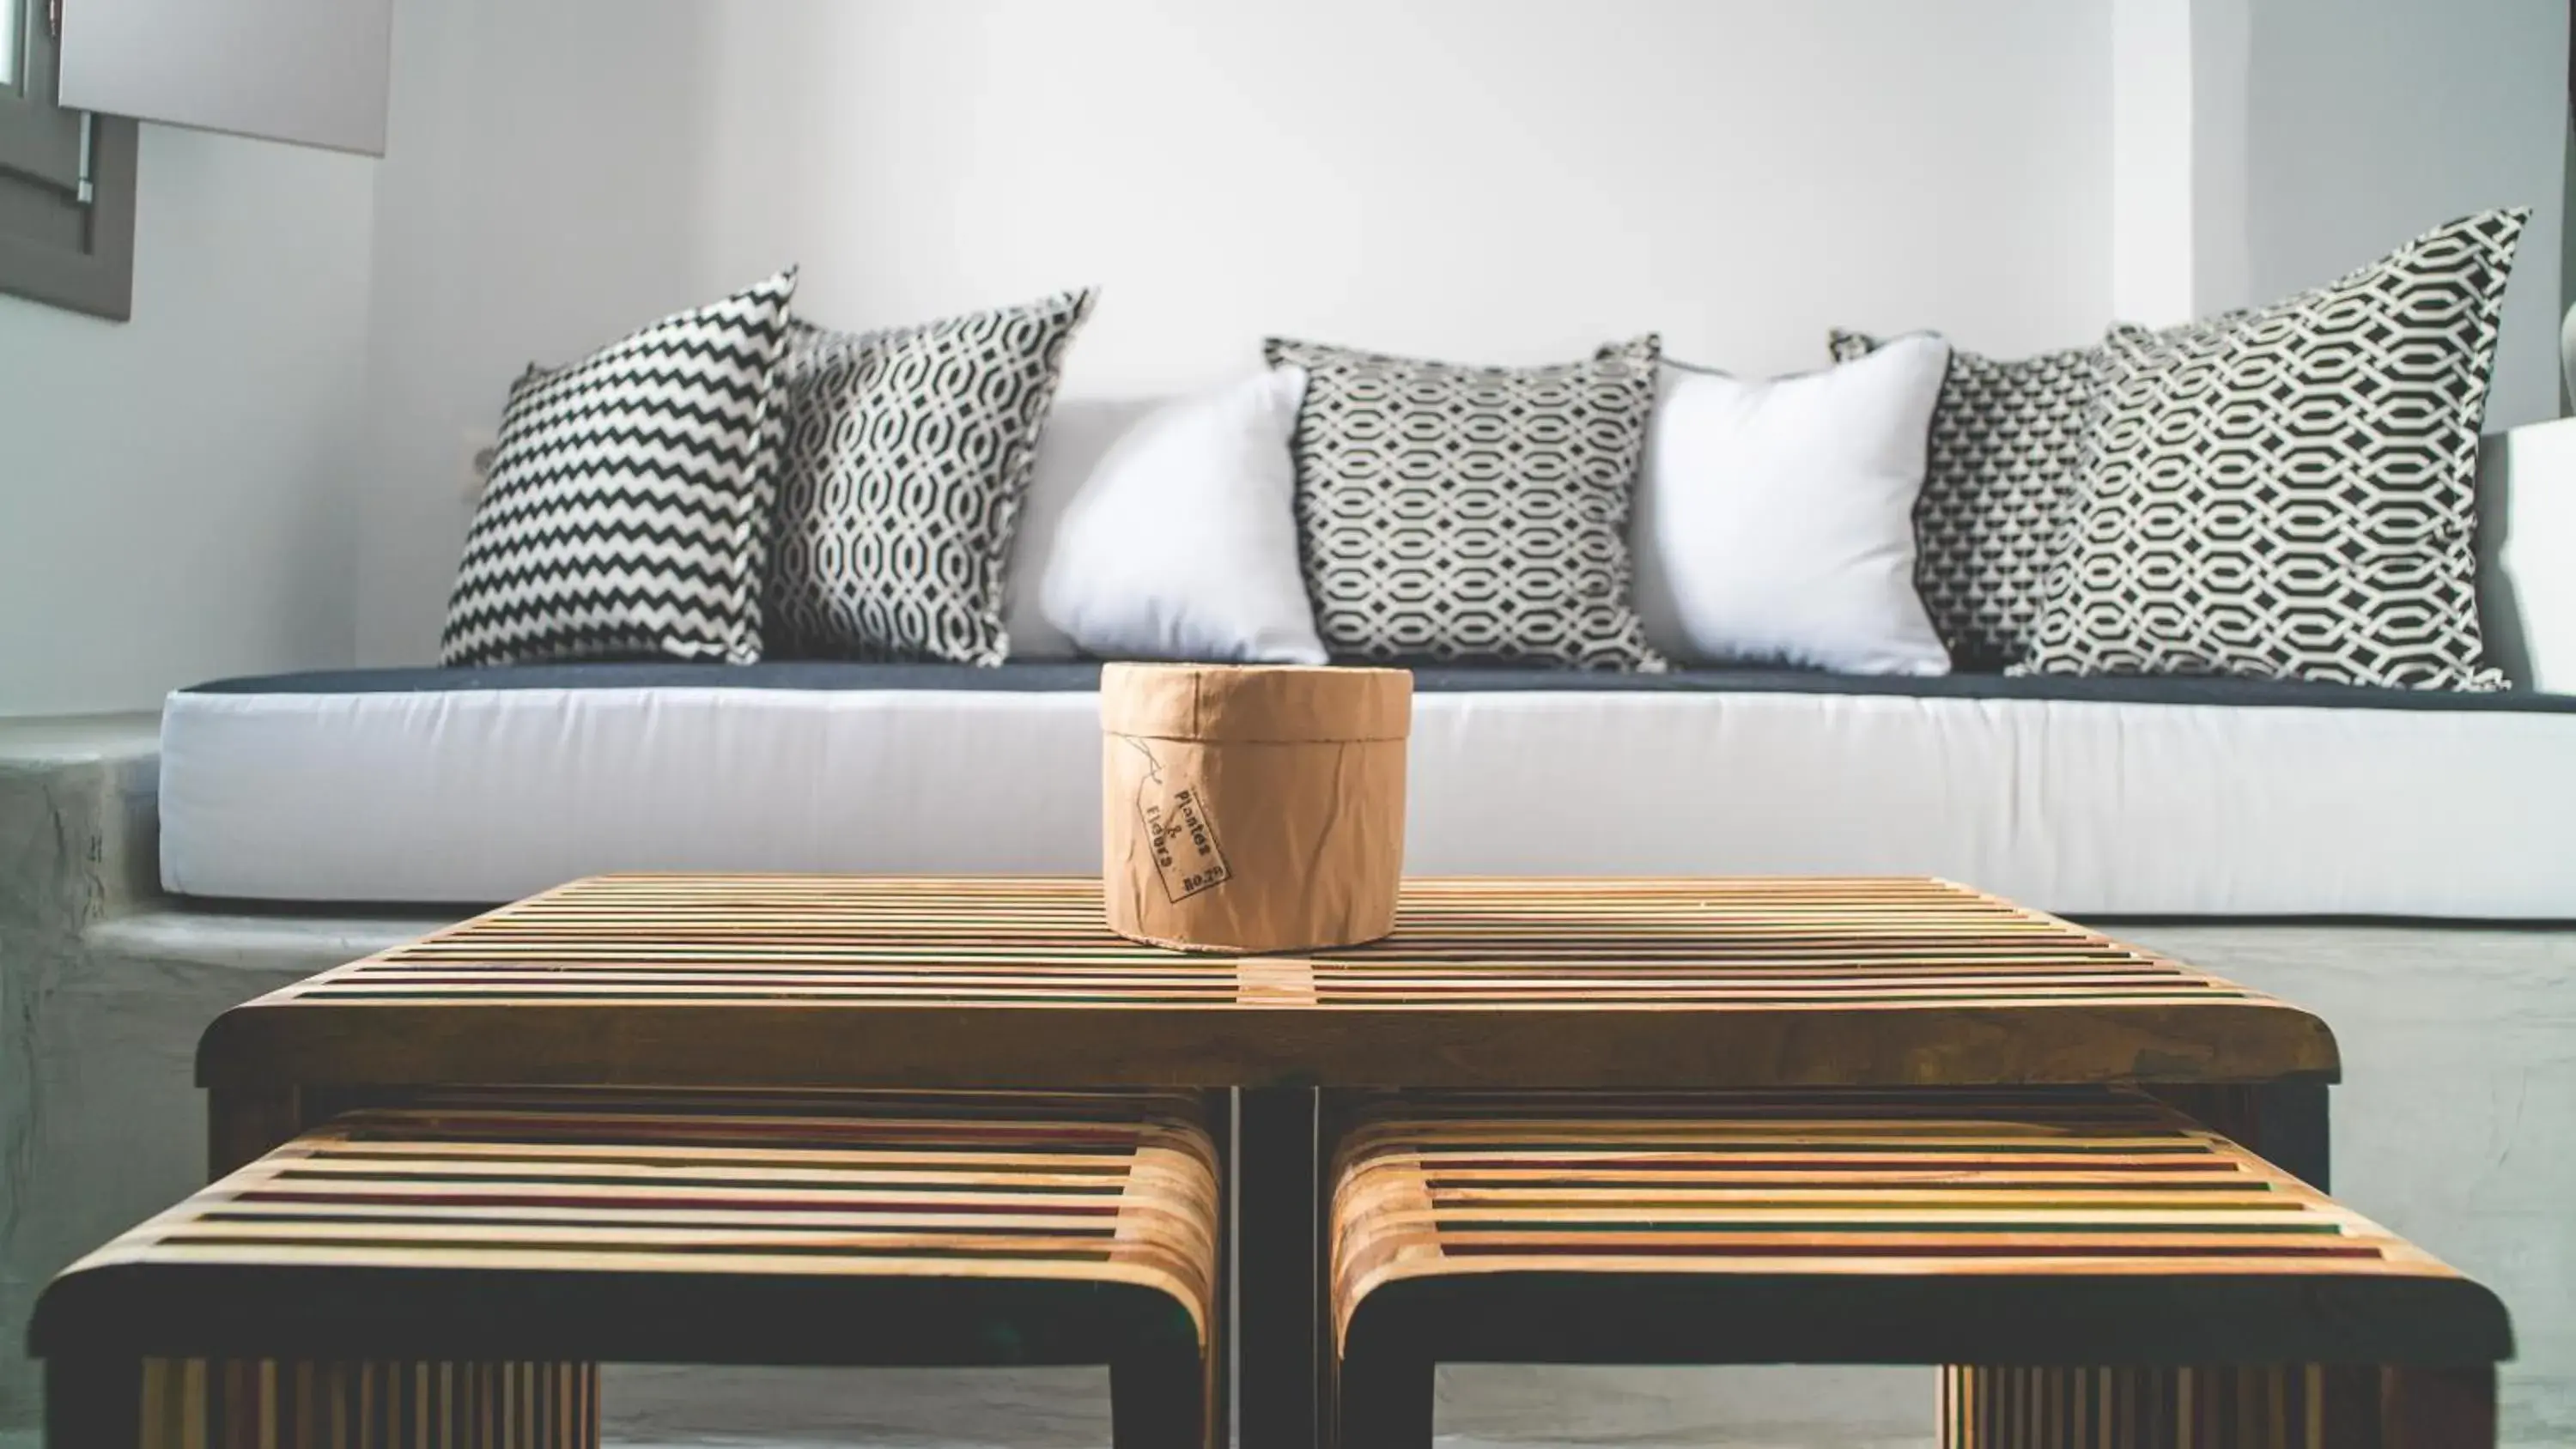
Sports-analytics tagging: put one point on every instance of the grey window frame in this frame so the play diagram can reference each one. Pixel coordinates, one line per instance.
(66, 184)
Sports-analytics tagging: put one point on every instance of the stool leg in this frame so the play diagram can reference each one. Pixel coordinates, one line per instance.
(2437, 1408)
(1384, 1402)
(376, 1404)
(2281, 1406)
(2288, 1123)
(1159, 1401)
(93, 1403)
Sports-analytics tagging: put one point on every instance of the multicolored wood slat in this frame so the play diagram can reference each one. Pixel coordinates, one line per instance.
(743, 1227)
(2049, 1229)
(841, 980)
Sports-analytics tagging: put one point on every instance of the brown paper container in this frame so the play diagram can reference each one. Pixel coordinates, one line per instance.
(1252, 807)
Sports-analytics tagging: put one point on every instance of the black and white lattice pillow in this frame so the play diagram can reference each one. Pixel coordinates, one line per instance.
(629, 498)
(2006, 440)
(908, 452)
(2290, 492)
(1457, 514)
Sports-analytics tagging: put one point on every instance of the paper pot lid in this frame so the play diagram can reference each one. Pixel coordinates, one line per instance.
(1256, 703)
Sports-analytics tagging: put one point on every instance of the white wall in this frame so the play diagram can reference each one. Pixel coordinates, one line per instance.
(175, 498)
(539, 196)
(266, 469)
(1507, 180)
(2370, 121)
(2263, 147)
(2152, 162)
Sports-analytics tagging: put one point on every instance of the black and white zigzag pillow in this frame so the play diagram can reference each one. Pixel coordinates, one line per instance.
(1459, 514)
(2007, 438)
(908, 452)
(628, 507)
(2290, 492)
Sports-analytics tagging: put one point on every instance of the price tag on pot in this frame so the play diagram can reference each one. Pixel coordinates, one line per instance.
(1180, 834)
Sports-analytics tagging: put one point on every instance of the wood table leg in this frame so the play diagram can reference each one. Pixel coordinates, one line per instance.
(1277, 1277)
(242, 1123)
(2291, 1130)
(2284, 1121)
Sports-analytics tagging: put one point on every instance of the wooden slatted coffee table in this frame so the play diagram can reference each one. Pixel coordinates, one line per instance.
(831, 981)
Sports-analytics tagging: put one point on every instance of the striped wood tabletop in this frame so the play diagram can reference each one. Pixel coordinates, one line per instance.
(1984, 1228)
(737, 980)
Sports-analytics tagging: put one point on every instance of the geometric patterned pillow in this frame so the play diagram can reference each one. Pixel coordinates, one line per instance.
(908, 452)
(2006, 439)
(628, 503)
(2290, 492)
(1471, 514)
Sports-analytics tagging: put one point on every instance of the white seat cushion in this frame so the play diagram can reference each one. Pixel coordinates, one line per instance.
(2203, 798)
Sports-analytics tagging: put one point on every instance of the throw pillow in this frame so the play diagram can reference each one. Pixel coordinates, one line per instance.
(907, 455)
(1182, 543)
(2290, 492)
(1455, 514)
(628, 504)
(1778, 515)
(2006, 438)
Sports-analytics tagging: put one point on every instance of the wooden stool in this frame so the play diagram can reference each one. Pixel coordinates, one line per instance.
(2216, 1302)
(443, 1274)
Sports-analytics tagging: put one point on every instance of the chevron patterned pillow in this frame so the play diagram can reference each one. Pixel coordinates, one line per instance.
(629, 501)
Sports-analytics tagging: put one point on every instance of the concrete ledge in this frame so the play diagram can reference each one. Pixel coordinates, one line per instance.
(260, 942)
(79, 835)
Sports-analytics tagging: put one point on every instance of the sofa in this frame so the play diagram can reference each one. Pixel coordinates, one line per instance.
(2180, 797)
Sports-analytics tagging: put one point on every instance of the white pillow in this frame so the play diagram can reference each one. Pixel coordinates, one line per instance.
(1182, 544)
(1078, 434)
(1775, 519)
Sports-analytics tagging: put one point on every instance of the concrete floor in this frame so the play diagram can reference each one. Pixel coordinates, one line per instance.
(1478, 1405)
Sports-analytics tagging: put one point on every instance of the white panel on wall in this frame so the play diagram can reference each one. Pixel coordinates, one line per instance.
(2151, 161)
(2369, 122)
(309, 71)
(2527, 494)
